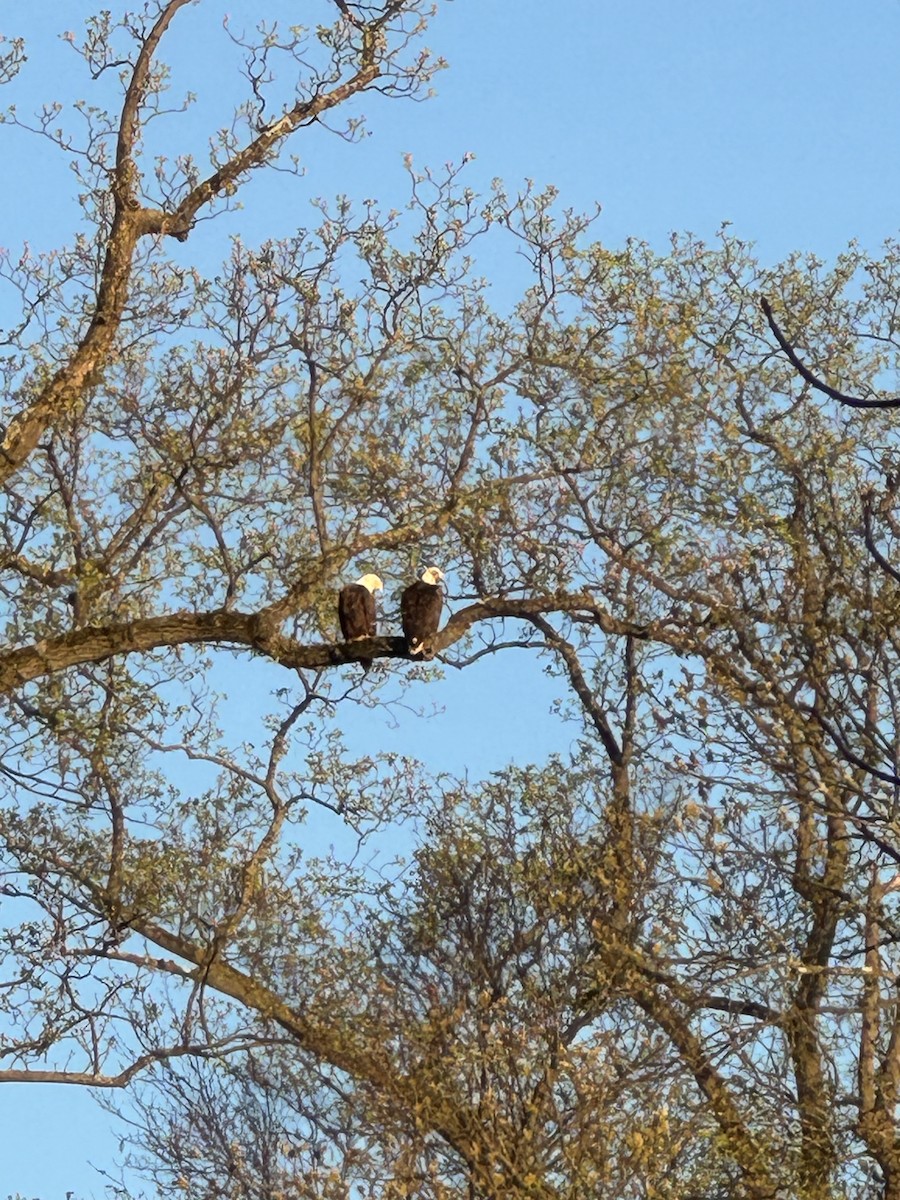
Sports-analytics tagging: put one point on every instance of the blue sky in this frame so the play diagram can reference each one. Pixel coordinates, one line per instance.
(782, 118)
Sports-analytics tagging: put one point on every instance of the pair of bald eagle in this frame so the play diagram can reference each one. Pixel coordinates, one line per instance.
(420, 609)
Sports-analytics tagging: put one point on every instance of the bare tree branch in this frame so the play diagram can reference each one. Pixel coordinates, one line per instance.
(122, 1078)
(813, 380)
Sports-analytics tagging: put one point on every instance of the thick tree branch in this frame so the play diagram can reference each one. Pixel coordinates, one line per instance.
(362, 1054)
(130, 223)
(178, 223)
(876, 1080)
(255, 632)
(736, 1129)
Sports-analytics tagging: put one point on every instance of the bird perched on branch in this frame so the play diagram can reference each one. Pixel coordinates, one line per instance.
(420, 611)
(356, 610)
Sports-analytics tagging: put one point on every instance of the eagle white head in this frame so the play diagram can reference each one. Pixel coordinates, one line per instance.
(432, 575)
(371, 583)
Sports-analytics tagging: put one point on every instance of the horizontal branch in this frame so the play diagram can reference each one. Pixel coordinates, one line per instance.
(76, 1078)
(740, 1008)
(99, 1079)
(98, 643)
(255, 632)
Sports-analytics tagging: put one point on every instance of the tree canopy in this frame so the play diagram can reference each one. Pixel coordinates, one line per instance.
(663, 964)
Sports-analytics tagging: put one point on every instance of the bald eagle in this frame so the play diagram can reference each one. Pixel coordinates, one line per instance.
(420, 610)
(356, 610)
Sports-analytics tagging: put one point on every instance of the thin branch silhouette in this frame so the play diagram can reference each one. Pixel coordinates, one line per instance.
(813, 380)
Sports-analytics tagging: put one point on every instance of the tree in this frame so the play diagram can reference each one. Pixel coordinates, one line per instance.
(663, 965)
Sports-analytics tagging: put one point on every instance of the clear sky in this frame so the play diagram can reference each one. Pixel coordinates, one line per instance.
(780, 117)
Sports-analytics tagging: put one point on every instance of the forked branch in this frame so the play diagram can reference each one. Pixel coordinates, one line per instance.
(132, 222)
